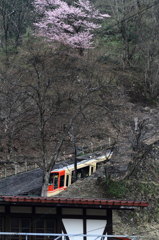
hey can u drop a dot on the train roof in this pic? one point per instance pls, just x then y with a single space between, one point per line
84 162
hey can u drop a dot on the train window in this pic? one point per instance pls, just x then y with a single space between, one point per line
78 174
81 173
85 172
98 165
54 180
73 178
62 181
67 178
91 172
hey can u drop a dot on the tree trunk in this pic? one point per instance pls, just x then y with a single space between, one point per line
45 184
75 162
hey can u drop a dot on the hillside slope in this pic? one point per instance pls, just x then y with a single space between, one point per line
131 174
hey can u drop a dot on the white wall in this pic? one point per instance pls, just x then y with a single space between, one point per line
95 227
75 226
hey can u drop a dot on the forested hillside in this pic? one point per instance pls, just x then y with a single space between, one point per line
82 77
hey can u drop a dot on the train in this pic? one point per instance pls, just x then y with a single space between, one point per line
62 178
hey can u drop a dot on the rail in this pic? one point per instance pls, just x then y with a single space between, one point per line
57 236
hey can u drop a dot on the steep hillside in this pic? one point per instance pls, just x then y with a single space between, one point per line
131 174
57 98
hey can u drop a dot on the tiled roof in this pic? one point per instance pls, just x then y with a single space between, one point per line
22 183
72 201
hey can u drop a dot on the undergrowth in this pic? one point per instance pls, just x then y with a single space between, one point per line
136 191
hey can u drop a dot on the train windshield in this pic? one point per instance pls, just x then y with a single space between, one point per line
54 180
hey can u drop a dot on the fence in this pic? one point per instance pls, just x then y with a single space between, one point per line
11 168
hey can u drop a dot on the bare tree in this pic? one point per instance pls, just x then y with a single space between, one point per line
13 114
140 150
54 102
15 17
127 25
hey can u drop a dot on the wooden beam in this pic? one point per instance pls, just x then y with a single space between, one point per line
109 229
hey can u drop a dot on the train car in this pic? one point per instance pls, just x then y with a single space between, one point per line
61 178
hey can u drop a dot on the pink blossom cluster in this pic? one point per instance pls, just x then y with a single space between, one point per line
71 25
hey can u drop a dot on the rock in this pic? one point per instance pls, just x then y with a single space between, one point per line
152 140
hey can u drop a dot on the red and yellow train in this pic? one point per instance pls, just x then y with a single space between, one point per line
61 178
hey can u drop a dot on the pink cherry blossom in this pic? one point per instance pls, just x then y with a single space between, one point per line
71 25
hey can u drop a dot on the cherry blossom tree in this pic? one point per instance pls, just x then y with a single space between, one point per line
71 25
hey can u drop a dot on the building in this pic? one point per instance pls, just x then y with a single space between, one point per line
60 215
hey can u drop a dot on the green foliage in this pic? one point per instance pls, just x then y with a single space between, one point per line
116 189
148 189
136 190
131 188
